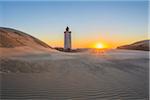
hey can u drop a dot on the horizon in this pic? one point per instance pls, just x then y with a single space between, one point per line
112 23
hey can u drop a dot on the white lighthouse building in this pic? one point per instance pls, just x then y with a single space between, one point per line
67 39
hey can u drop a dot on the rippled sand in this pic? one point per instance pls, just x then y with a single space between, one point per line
94 75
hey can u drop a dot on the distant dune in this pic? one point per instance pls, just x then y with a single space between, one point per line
13 38
140 45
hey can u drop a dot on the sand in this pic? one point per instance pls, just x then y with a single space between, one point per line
92 75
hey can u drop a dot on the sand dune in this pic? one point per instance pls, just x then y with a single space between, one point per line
140 45
109 75
10 38
30 69
24 50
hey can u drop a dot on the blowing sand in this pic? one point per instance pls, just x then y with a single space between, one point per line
91 75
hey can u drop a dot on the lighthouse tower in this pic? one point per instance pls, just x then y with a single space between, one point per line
67 39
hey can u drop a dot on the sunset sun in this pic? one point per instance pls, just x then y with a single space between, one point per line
99 46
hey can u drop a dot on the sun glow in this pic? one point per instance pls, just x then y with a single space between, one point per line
99 46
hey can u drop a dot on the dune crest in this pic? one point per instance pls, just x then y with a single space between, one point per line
10 38
140 45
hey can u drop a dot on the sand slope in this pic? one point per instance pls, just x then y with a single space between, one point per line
108 75
13 38
140 45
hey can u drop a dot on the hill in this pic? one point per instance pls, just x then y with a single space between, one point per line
140 45
10 38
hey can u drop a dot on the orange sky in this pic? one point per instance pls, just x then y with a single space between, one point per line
90 41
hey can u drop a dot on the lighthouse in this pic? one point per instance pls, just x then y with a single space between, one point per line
67 39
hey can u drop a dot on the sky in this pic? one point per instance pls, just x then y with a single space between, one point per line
112 23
